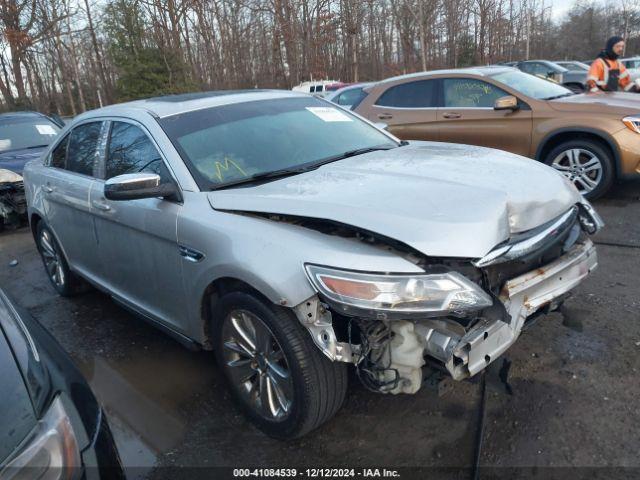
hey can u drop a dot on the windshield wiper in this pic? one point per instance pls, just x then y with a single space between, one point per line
570 94
353 153
285 172
22 148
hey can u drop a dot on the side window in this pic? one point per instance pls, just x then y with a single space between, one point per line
83 143
351 98
540 69
467 92
526 67
131 151
419 94
59 154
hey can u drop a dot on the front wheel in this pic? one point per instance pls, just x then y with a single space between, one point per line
586 163
62 278
278 377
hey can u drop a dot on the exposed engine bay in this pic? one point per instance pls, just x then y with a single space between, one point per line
13 205
528 276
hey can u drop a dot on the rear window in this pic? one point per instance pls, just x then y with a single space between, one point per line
419 94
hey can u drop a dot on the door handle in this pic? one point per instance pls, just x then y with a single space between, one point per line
101 206
47 189
385 116
452 115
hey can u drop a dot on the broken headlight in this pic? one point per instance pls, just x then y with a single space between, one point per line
7 176
396 293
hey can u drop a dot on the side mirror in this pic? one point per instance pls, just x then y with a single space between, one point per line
381 125
132 186
506 103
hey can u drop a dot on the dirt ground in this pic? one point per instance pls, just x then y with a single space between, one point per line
575 399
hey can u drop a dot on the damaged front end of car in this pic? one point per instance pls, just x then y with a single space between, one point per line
13 204
457 317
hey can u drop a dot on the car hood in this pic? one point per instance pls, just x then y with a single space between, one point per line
15 160
614 102
441 199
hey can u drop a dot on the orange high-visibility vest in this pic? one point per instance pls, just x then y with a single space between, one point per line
608 75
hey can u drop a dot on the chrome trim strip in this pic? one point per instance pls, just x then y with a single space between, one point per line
518 249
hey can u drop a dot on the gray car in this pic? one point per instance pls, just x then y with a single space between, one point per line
230 221
572 78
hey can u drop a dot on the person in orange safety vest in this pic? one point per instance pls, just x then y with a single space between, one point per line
607 73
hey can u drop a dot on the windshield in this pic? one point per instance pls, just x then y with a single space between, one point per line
574 66
531 86
223 145
18 133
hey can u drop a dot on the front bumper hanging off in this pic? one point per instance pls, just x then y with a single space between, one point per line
522 297
13 205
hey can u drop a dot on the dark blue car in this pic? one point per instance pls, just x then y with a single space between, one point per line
23 137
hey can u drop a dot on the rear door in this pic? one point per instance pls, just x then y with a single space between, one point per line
67 187
468 117
137 240
409 109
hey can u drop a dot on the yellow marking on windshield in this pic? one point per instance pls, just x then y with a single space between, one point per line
220 167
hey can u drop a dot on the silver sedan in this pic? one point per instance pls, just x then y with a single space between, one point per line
296 239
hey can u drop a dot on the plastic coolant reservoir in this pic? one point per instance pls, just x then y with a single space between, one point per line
407 357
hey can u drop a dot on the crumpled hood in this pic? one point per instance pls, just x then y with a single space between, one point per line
442 199
15 160
626 103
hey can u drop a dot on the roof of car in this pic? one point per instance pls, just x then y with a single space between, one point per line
169 105
480 71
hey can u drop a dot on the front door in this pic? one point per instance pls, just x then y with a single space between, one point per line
468 117
137 240
67 188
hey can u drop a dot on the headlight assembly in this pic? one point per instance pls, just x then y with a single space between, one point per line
439 293
51 452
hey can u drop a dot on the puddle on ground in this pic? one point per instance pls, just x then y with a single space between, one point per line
147 400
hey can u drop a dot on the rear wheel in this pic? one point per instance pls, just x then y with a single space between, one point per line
63 280
278 377
586 163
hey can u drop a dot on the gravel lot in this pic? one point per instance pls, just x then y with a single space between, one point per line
574 403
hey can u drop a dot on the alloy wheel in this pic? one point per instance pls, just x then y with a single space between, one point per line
52 259
256 365
582 167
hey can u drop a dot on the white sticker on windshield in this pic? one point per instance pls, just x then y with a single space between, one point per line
329 114
46 130
5 144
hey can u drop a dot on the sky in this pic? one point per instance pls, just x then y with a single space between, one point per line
560 7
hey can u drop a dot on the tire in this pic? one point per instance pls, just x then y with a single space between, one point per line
61 277
310 388
591 182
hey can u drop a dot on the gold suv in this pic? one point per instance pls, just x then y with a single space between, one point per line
591 138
